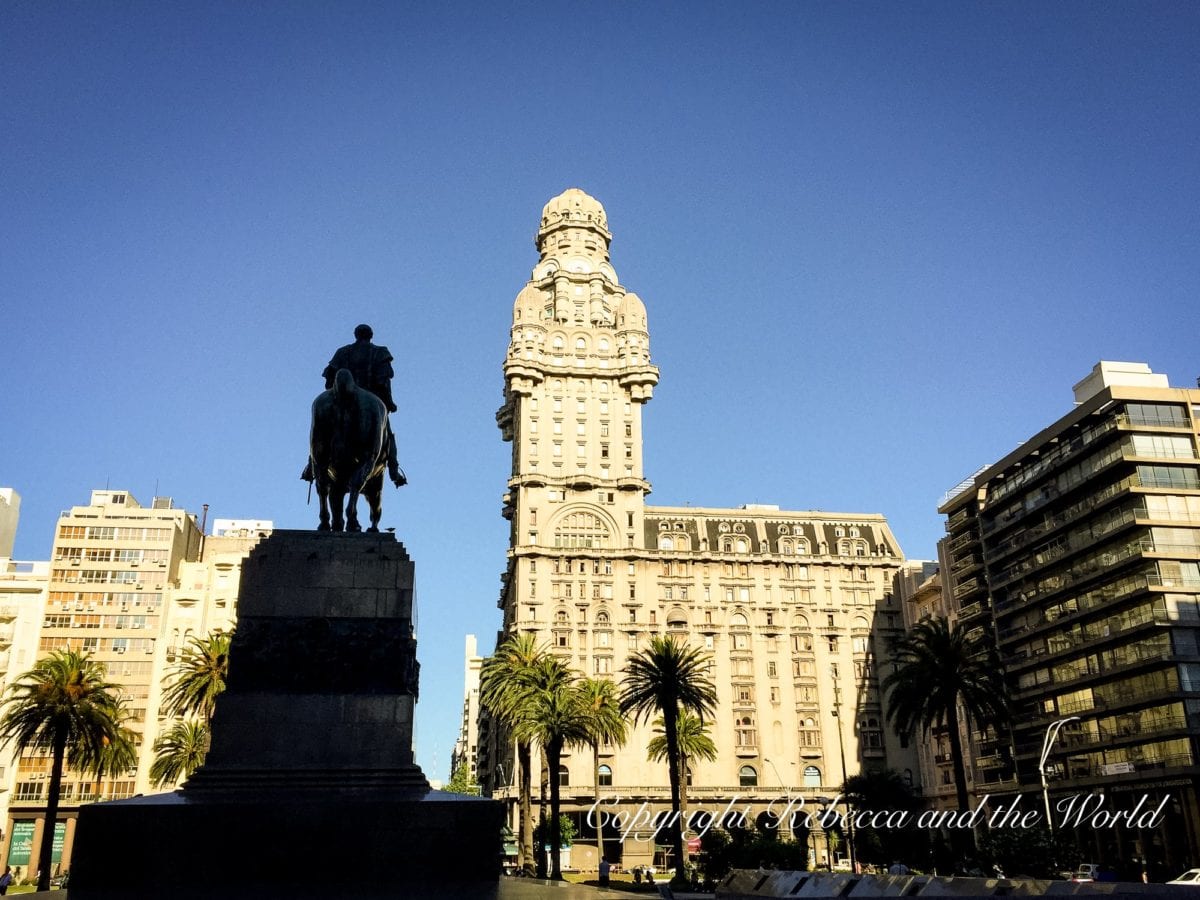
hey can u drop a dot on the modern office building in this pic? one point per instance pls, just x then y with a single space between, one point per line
112 562
22 602
1080 552
795 608
466 747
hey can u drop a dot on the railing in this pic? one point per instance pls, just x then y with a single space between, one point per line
1071 514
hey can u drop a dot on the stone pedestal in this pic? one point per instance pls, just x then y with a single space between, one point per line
311 776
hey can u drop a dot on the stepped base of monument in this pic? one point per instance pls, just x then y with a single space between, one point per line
298 844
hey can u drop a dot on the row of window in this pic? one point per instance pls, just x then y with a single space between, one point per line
111 533
57 620
112 554
109 576
97 645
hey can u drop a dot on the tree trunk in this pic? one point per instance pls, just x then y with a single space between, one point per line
541 853
683 786
46 853
958 840
670 725
525 794
553 756
599 814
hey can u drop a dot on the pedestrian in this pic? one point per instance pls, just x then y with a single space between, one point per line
604 869
6 879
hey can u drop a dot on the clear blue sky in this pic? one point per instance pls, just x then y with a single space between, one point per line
877 244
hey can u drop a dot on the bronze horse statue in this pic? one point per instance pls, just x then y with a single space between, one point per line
348 452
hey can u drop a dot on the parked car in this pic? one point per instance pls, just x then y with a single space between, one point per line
1086 872
1191 876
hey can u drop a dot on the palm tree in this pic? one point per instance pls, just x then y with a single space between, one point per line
939 670
605 725
502 683
876 791
64 705
554 715
179 752
667 678
199 677
694 743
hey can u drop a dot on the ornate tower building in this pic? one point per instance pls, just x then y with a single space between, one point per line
791 606
577 373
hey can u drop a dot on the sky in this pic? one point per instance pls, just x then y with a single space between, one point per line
877 243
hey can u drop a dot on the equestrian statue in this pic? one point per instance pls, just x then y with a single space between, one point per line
351 442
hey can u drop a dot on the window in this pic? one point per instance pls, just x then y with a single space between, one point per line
581 529
772 669
812 776
745 734
810 733
869 734
564 776
603 665
605 774
747 777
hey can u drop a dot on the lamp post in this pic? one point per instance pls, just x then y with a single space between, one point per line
787 791
1052 731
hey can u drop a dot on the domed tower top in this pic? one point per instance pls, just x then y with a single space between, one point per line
574 220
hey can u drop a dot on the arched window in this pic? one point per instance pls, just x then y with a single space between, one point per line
747 777
860 548
606 776
604 345
665 543
557 342
561 618
564 776
801 547
580 344
581 529
908 777
738 620
602 618
742 545
677 618
812 776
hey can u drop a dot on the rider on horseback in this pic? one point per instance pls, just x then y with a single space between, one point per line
371 366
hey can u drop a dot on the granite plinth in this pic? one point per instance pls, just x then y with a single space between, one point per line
311 773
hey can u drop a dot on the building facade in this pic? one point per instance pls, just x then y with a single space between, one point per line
111 564
22 603
1080 552
466 747
795 608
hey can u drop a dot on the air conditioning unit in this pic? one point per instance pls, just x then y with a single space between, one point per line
138 586
150 648
135 563
118 649
74 562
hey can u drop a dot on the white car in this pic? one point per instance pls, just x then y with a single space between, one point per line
1086 872
1191 876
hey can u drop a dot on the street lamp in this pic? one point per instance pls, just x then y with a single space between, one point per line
1052 731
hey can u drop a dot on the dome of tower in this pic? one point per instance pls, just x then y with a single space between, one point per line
529 304
573 208
631 313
